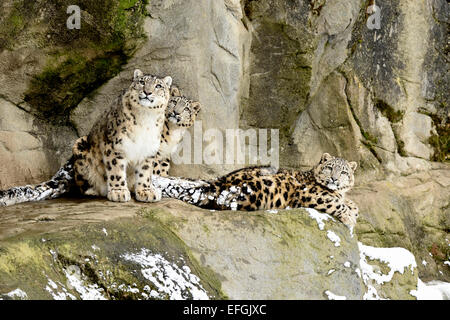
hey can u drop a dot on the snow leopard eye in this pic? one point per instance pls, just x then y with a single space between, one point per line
142 82
158 86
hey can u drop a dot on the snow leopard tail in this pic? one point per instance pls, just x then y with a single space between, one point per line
191 191
201 193
58 185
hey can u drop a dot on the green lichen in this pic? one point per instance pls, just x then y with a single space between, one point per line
29 264
440 141
80 60
62 86
389 112
13 20
441 146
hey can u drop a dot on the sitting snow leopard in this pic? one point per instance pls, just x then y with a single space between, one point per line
121 145
261 188
180 115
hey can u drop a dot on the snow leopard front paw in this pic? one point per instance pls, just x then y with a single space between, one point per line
119 195
350 216
151 194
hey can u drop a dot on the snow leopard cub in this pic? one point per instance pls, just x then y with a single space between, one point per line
180 115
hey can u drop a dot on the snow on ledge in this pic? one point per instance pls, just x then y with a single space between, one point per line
169 279
433 290
17 293
319 217
332 296
397 259
334 238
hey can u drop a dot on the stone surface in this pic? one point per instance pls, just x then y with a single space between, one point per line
26 155
328 119
410 212
238 255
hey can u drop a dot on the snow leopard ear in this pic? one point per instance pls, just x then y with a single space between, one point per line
353 165
137 74
168 80
196 106
326 157
175 92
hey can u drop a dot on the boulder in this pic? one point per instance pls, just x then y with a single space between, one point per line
96 249
411 212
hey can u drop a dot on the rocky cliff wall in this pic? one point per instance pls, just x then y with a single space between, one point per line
314 70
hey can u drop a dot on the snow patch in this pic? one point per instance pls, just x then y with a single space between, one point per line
433 290
18 293
332 296
62 294
319 217
170 280
397 260
75 280
334 238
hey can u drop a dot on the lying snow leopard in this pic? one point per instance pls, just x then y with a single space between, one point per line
121 144
180 115
262 188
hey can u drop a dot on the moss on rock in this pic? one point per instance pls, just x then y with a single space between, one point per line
79 60
90 262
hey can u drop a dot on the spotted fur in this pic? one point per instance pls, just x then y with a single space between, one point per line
120 148
180 115
58 185
262 188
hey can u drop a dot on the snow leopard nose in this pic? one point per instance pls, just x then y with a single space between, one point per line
334 180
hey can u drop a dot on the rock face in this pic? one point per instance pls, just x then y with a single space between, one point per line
320 72
95 249
316 71
410 212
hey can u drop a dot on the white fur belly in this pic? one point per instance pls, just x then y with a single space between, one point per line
144 141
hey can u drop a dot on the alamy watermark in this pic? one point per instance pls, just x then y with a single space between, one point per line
374 20
74 20
228 146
